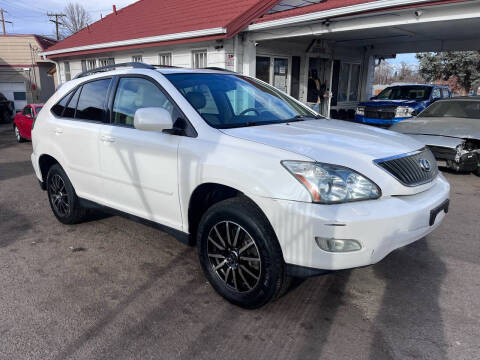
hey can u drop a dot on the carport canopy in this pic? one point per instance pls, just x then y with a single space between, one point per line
448 26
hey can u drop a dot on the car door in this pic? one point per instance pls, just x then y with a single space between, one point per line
140 167
27 123
21 120
77 133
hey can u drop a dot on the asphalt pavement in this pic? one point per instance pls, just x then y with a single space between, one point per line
130 291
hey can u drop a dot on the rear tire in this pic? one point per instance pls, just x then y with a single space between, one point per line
17 134
240 254
62 197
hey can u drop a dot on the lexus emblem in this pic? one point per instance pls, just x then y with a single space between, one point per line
425 165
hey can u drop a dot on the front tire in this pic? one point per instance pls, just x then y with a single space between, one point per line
240 254
18 136
62 197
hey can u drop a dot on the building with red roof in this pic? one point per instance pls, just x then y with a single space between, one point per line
279 41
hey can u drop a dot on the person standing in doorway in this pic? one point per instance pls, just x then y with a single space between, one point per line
317 92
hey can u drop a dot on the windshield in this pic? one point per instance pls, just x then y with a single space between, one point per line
460 109
405 93
229 100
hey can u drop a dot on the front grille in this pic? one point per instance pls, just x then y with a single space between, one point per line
408 169
384 113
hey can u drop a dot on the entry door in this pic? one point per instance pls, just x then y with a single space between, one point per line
140 167
280 74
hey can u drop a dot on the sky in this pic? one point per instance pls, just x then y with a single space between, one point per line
30 16
408 58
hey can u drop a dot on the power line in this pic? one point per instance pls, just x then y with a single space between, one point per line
2 19
56 21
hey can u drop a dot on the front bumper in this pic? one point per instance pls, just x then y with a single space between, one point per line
383 122
380 226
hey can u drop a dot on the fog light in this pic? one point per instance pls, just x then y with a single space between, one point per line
338 245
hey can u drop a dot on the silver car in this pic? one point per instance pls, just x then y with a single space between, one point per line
451 129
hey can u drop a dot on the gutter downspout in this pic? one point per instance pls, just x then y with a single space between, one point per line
57 66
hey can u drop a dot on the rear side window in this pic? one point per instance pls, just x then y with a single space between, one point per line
58 108
72 104
91 103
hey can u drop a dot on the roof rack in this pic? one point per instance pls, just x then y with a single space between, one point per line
217 68
135 65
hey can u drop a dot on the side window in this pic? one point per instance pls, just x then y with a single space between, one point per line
136 93
72 105
445 93
27 110
58 108
436 93
91 103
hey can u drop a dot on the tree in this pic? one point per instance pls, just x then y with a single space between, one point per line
76 18
464 66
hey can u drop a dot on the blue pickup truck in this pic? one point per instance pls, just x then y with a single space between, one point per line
399 102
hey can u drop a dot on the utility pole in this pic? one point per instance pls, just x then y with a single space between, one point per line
2 18
56 21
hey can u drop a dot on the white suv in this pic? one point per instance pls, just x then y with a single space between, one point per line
266 188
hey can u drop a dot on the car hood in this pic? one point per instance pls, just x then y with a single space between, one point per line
331 141
444 126
379 103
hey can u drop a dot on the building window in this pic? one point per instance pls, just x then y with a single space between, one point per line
66 66
19 96
165 59
137 58
106 61
91 64
199 59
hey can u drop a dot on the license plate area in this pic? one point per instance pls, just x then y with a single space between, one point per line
434 212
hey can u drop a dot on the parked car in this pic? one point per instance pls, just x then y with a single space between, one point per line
23 121
265 188
451 129
397 103
7 109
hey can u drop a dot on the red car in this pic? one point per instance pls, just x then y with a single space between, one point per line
22 124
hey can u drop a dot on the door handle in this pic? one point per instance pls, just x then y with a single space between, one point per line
58 131
106 138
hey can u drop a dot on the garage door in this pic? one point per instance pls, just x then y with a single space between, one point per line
16 92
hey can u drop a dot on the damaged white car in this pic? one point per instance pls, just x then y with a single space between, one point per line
451 129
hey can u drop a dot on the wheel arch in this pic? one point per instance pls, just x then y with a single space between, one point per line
205 196
45 162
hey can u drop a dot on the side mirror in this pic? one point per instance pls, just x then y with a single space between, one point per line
152 119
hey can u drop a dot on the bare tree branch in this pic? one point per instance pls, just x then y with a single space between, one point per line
76 18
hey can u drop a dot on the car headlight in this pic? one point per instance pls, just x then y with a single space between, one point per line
332 184
360 111
405 111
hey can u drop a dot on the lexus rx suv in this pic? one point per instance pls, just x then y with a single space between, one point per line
265 188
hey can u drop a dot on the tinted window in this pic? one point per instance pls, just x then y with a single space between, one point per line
91 104
405 93
445 93
58 108
133 94
72 104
